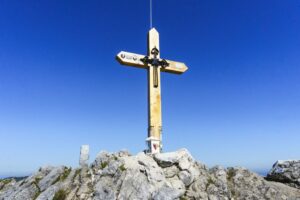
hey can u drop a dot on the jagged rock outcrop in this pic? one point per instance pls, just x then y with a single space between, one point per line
286 171
166 176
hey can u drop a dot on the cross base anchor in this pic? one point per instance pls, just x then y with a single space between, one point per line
154 145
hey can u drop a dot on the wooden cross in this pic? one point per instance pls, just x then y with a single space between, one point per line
154 65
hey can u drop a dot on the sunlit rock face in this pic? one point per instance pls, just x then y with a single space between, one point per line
287 172
165 176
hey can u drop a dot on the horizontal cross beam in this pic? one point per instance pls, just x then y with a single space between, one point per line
135 60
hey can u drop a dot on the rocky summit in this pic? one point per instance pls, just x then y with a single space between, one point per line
165 176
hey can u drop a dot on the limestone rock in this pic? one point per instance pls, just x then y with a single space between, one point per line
165 176
170 171
248 185
186 177
181 157
287 172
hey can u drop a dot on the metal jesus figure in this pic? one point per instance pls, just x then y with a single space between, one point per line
154 65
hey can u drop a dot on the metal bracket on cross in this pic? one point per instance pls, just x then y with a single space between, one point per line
155 62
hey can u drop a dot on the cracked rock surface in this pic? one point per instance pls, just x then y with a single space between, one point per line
286 171
165 176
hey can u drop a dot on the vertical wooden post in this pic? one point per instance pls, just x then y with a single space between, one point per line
154 97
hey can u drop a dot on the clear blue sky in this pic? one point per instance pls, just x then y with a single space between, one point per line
60 86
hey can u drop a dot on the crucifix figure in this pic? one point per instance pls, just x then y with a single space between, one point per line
154 65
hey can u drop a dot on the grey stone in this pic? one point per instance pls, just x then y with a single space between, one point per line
287 172
102 159
26 193
167 192
153 171
50 178
104 190
186 177
181 157
178 185
135 186
49 193
170 171
247 185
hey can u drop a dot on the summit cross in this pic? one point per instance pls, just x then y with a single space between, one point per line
154 65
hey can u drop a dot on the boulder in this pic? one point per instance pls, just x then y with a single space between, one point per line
287 172
181 157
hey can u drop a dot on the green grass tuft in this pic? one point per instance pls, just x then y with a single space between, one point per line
66 173
36 195
36 183
230 174
122 168
37 180
210 181
103 165
5 181
60 195
77 172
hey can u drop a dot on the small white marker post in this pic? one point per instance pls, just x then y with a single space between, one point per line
84 155
154 65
